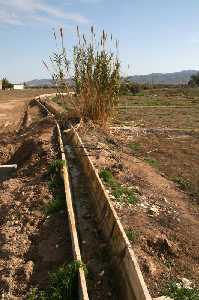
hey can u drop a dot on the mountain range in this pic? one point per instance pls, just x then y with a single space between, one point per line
175 78
182 77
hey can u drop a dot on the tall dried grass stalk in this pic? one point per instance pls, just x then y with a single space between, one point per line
96 75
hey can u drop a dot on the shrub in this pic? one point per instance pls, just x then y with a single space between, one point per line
121 194
96 76
62 284
177 292
129 88
6 84
194 81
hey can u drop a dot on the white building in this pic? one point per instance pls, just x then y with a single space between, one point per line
18 86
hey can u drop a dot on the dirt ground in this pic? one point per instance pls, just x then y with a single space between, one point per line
31 244
173 154
164 221
172 108
13 105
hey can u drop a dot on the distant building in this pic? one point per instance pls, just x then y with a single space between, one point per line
1 85
18 86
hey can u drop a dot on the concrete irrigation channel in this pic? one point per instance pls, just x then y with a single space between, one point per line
98 237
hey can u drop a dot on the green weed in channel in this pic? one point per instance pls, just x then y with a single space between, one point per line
56 166
63 284
121 194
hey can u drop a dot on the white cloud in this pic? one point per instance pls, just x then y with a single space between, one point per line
10 19
17 12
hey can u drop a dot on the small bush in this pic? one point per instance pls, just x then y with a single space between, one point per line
63 284
182 183
132 234
177 292
56 186
121 194
55 205
56 166
152 162
135 147
129 88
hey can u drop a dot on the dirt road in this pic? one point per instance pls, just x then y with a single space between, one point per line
13 105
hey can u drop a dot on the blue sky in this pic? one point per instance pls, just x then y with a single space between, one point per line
154 35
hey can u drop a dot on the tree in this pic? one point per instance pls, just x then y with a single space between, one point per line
6 84
194 81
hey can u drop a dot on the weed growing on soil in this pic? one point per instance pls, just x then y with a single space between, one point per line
56 166
132 234
121 194
169 263
62 284
135 147
54 183
177 292
152 162
55 205
56 187
182 183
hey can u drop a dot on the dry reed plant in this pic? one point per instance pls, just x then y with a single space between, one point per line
96 76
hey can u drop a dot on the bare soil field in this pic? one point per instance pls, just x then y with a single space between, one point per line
13 105
155 109
160 220
31 244
148 159
35 237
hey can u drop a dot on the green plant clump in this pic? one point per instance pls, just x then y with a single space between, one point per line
132 234
152 162
182 183
56 166
135 147
120 193
56 187
177 292
62 284
55 205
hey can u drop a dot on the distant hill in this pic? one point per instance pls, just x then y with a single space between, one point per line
182 77
44 82
40 82
157 78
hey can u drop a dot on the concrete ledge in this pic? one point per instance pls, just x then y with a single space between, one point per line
83 294
7 170
131 283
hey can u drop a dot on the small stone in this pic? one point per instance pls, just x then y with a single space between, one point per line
154 210
143 205
101 273
28 269
149 266
187 284
165 199
83 242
